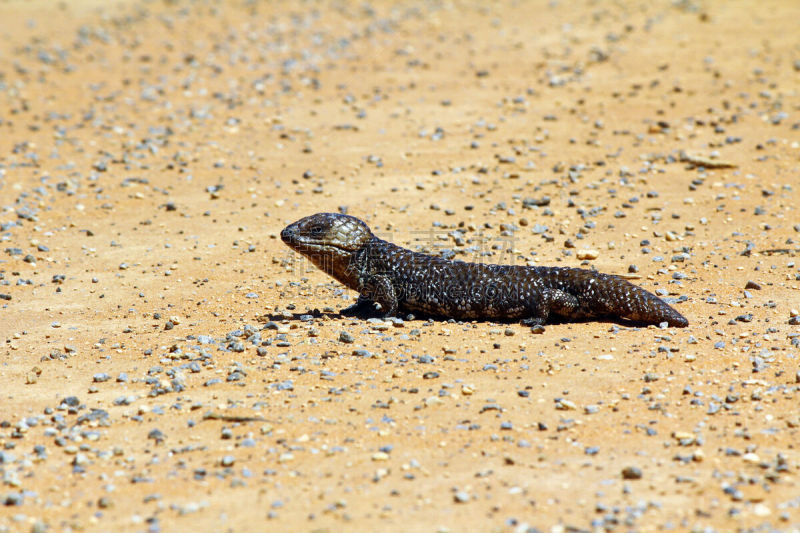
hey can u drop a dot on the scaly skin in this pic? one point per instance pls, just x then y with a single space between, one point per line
399 279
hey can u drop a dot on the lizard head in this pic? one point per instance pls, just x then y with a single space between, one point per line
329 240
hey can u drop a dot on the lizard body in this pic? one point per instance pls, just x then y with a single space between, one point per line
396 278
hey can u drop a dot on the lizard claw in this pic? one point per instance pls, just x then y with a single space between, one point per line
362 307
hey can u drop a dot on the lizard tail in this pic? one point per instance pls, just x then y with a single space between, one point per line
608 295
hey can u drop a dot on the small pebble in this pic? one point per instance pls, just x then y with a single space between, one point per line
587 254
631 472
461 497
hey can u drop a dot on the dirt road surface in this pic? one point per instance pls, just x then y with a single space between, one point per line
167 364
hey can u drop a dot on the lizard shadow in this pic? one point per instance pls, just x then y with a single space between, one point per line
623 322
364 314
297 317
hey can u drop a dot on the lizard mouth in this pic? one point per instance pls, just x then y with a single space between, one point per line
307 246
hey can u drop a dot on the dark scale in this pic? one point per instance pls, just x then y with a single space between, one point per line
399 279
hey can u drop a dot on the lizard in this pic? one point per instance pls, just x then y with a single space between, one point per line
397 279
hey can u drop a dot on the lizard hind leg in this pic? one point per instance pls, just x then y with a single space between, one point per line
552 302
562 304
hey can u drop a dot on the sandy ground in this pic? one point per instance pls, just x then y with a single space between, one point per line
168 364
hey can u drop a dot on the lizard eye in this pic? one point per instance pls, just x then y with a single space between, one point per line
317 231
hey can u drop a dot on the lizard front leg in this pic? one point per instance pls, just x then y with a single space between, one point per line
379 289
